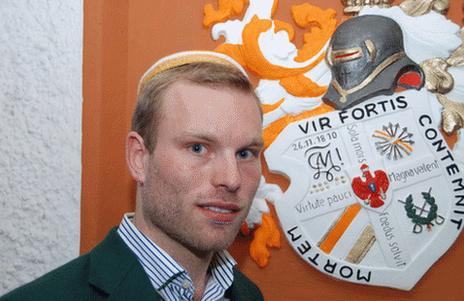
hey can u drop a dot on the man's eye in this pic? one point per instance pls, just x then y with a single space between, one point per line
198 148
245 154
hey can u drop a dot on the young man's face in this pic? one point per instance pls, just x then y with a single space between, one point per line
205 168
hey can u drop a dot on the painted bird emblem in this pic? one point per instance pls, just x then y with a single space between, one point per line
370 188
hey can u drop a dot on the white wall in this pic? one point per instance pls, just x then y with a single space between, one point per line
40 136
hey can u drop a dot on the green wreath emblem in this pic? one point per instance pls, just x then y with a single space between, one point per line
418 219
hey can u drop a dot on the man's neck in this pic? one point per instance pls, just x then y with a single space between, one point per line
195 263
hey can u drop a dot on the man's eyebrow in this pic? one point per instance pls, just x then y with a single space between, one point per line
195 135
256 143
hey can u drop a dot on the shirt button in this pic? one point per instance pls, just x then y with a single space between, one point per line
186 284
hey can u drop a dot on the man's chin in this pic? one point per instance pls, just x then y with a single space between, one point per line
215 244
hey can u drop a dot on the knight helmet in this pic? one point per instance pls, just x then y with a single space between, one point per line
367 58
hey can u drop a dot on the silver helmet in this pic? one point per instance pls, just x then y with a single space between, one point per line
366 57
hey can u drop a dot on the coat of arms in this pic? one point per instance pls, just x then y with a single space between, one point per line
353 120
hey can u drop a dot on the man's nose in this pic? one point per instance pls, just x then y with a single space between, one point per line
227 173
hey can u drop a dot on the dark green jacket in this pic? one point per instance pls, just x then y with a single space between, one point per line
109 272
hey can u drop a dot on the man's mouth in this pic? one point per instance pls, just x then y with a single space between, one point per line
217 209
221 214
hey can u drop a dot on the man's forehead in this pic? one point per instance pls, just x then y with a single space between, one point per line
196 111
177 90
184 89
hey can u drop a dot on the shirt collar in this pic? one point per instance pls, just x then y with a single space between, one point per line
162 269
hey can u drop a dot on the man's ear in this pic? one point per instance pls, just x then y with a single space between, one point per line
135 156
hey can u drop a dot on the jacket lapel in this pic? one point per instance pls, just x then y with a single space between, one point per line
116 274
243 289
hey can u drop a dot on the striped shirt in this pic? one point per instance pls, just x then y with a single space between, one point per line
170 279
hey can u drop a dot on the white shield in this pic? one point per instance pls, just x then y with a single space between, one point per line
386 224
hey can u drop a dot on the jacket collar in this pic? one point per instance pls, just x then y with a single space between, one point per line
116 272
242 289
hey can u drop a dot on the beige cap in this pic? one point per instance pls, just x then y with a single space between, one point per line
187 57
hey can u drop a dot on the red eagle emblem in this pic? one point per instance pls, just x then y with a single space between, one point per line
370 188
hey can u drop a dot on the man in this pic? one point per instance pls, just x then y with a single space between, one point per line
194 153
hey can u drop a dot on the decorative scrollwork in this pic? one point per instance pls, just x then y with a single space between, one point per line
440 81
421 7
452 114
354 6
457 57
437 77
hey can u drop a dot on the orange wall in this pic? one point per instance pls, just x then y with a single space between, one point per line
121 39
